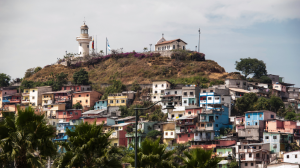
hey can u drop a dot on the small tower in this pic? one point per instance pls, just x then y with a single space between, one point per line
84 40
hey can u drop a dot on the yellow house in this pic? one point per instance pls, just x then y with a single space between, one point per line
117 99
33 96
47 98
168 132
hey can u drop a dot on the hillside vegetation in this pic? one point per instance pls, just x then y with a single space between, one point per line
143 71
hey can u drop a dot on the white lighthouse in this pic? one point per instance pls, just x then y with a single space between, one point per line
84 40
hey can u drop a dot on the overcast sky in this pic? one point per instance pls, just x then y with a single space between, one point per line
36 33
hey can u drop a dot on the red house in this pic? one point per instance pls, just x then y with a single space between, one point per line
184 128
118 137
77 88
69 114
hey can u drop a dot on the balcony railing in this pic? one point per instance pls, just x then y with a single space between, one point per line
15 100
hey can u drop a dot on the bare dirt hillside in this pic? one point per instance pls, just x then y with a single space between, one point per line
143 71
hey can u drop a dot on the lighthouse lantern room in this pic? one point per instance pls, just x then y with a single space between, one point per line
84 40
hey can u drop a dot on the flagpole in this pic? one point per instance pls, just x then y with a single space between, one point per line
106 45
96 44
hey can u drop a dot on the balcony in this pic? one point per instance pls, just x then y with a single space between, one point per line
114 135
185 123
25 101
25 94
202 101
15 100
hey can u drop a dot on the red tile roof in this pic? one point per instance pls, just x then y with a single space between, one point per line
170 41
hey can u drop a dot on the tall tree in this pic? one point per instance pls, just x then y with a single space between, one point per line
81 77
200 158
251 66
4 80
37 69
262 104
116 87
246 103
276 103
29 72
88 146
151 154
26 139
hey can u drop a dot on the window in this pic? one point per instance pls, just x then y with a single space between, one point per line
260 115
222 99
53 123
111 101
154 97
33 97
248 123
209 98
240 147
33 90
246 164
64 113
251 164
180 115
204 91
166 133
217 98
44 96
117 101
162 85
122 101
162 92
115 144
217 125
171 133
156 86
189 135
184 101
179 136
87 46
77 88
189 112
259 147
79 95
272 116
175 92
255 123
217 117
87 95
211 90
274 145
296 156
287 156
192 93
274 137
80 101
250 155
76 113
173 46
86 101
248 115
155 91
266 137
172 116
185 93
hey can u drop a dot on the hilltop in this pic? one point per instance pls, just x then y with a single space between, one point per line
143 71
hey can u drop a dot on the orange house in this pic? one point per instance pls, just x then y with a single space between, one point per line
281 126
87 99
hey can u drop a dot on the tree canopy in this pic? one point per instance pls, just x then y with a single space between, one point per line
88 146
200 158
37 69
246 103
116 87
77 106
81 77
4 80
251 66
26 139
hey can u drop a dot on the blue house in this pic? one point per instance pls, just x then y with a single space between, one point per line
211 122
206 100
100 105
61 128
6 98
254 118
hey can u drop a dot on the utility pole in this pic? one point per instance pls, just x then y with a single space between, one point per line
195 48
150 47
106 45
199 40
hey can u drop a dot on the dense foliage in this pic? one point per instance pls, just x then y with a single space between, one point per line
37 69
25 140
116 87
251 66
135 86
81 77
200 158
4 80
56 82
153 134
186 55
151 154
77 106
88 146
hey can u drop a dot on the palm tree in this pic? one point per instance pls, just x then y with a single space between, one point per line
25 139
151 154
200 158
88 146
145 49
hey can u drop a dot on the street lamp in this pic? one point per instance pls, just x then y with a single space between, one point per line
169 107
150 47
195 48
199 40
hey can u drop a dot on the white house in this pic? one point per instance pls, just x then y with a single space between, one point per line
158 89
292 157
163 44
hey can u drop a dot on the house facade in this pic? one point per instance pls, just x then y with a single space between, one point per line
176 44
158 90
86 98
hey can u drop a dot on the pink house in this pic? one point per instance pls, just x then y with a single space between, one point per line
212 144
184 128
69 114
192 111
95 115
281 126
77 88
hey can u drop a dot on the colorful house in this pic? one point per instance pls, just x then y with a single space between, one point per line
6 95
190 95
184 128
77 88
158 89
33 96
118 138
69 115
100 105
143 128
279 142
86 98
